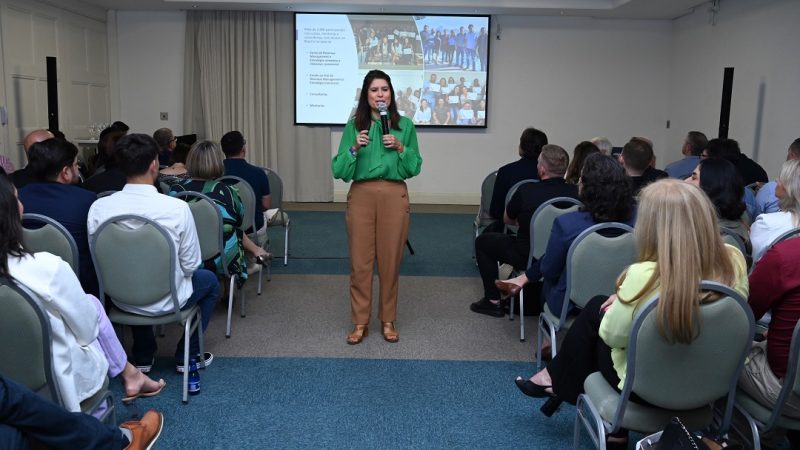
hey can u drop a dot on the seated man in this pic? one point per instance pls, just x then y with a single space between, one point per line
530 145
774 286
693 145
233 145
636 158
137 158
22 176
491 248
26 418
53 164
766 201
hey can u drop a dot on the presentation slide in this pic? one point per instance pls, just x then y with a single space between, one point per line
439 66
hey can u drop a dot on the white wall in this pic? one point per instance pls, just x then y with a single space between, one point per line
150 57
758 39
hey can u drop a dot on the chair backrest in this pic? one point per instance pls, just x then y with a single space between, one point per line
105 194
542 223
136 261
275 188
52 238
487 188
511 193
688 376
248 197
787 235
791 381
594 261
25 341
731 237
208 222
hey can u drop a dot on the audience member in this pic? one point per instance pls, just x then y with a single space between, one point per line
770 226
54 165
493 248
177 171
22 176
603 144
693 145
137 157
27 419
84 346
729 149
235 149
582 150
530 145
766 201
636 157
675 221
106 175
120 126
166 144
205 164
607 196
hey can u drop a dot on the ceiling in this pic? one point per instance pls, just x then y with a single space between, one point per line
612 9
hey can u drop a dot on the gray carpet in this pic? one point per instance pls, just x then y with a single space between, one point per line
309 316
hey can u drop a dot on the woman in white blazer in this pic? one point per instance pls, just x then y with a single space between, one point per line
84 345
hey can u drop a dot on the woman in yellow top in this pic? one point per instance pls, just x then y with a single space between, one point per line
677 236
377 204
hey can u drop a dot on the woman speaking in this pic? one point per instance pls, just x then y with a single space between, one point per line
377 153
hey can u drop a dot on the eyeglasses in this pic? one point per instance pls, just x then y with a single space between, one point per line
173 139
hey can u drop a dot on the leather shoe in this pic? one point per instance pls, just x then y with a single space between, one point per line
146 431
358 334
507 289
484 306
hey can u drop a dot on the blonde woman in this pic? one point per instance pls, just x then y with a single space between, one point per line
677 236
769 226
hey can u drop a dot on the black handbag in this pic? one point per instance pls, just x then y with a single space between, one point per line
676 437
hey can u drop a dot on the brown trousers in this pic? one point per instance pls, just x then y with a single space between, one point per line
377 227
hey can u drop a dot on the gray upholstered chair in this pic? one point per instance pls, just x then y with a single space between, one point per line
594 261
52 238
540 227
281 218
483 219
681 380
25 339
136 262
763 419
511 192
249 200
209 225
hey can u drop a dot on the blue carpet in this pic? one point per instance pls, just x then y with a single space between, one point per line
318 245
354 403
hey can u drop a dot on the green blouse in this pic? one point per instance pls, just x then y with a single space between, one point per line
374 161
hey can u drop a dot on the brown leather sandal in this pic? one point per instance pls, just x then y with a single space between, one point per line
389 332
358 334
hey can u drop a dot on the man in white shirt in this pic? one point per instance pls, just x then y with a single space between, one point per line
137 158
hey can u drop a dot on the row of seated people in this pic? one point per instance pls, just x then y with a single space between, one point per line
607 192
78 319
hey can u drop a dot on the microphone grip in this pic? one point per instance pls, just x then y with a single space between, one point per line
385 123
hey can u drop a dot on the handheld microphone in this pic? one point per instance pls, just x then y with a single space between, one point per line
384 112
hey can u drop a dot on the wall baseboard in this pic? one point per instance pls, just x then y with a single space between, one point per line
433 198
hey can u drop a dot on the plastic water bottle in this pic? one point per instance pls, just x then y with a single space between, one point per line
194 378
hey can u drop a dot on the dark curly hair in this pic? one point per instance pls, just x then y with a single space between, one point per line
605 190
10 225
724 186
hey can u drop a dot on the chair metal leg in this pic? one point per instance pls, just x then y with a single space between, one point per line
539 337
260 271
286 243
553 343
187 335
591 420
242 295
200 332
231 288
521 316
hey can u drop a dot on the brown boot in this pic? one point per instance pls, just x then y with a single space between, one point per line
146 431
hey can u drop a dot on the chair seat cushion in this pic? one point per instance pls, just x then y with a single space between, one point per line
762 413
125 318
644 419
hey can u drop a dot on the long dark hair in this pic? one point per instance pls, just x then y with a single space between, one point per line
606 191
363 117
10 225
724 186
582 150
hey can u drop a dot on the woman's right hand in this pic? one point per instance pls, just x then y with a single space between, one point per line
362 139
607 304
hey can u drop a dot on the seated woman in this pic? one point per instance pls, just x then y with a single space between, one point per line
177 171
768 227
607 196
678 241
720 180
582 150
84 345
205 163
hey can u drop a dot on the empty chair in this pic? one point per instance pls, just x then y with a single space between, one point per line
676 379
281 217
483 219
